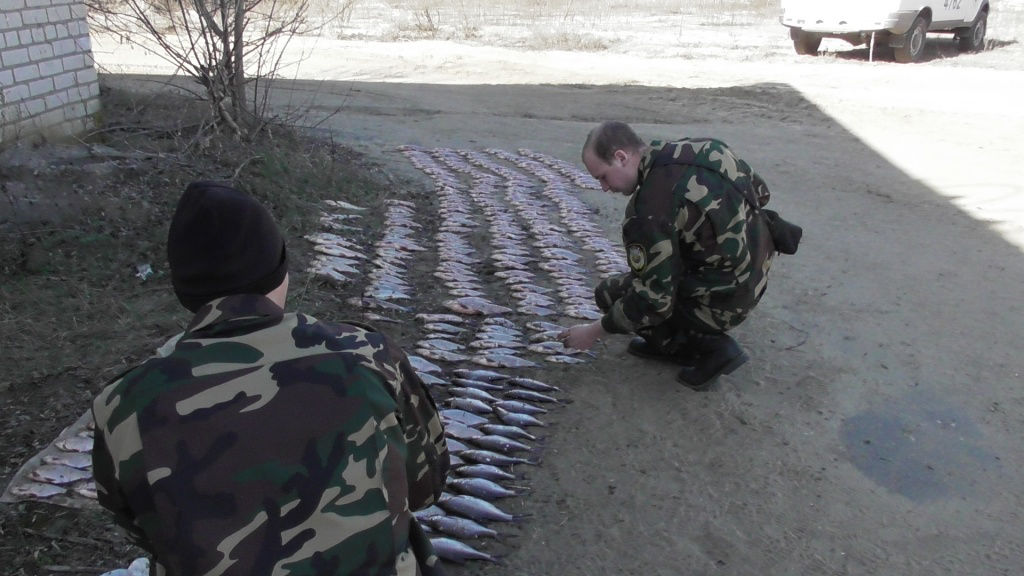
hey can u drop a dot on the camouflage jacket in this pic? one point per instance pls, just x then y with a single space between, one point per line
692 238
268 443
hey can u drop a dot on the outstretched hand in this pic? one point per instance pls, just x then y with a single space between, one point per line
581 336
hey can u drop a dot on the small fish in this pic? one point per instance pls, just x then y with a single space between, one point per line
431 380
540 326
489 344
481 488
481 375
80 460
517 419
546 336
474 393
583 313
503 361
534 310
429 512
455 551
520 406
441 355
550 347
478 384
493 458
422 365
36 490
488 471
343 205
334 250
470 405
530 396
75 444
496 443
443 327
475 306
58 474
440 344
330 274
475 508
531 384
507 431
459 430
86 489
499 321
565 359
459 527
447 318
461 416
455 446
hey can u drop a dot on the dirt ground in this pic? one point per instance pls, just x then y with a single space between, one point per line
877 428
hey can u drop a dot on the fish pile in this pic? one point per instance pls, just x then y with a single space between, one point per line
61 473
338 258
489 420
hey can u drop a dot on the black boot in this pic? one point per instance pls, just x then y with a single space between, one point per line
640 347
719 354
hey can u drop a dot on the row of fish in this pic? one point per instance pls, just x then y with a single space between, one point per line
62 472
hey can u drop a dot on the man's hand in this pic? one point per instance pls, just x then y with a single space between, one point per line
582 336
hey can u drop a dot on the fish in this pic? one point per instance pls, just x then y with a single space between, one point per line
478 384
475 306
375 303
494 458
343 205
475 509
565 359
58 474
470 405
474 393
36 490
489 344
422 365
502 361
86 489
464 417
499 321
460 431
536 310
442 355
482 375
428 512
507 431
496 443
520 407
459 527
531 384
443 327
550 347
583 313
440 344
516 418
541 326
330 274
488 471
455 446
530 396
74 444
546 336
481 488
455 551
334 250
80 460
448 318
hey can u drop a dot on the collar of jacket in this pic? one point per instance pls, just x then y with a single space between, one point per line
235 307
646 161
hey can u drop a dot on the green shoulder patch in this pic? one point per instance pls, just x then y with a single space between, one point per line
636 256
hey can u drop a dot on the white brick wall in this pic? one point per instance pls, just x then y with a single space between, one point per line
48 85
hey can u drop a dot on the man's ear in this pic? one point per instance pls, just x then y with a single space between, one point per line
621 156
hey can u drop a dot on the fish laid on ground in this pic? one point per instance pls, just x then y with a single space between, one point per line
541 326
464 417
431 380
470 405
80 460
491 344
449 318
58 474
343 205
475 306
478 384
475 508
75 444
517 419
36 490
496 443
583 313
460 431
455 551
503 361
443 327
86 489
485 375
440 344
531 384
488 471
493 458
429 512
333 250
435 354
459 527
507 431
565 359
481 488
520 406
550 347
531 396
474 393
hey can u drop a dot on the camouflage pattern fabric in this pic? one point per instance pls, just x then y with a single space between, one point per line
698 252
268 443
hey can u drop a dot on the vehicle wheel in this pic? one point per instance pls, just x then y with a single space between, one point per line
913 42
805 42
973 39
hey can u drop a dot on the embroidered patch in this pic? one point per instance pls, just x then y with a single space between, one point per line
636 256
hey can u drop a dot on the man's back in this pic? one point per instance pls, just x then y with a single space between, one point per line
270 443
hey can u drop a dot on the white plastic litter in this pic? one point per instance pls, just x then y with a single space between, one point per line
138 567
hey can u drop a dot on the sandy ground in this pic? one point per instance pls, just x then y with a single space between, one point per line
877 428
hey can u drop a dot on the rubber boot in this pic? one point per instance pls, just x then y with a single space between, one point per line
640 347
719 354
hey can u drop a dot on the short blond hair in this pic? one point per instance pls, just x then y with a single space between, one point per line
610 136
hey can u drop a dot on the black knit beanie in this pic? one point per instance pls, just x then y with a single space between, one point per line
223 242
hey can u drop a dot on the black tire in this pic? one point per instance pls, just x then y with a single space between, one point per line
972 39
805 43
913 42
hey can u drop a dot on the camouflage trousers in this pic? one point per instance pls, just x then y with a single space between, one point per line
690 318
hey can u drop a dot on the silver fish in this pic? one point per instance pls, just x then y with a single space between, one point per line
493 458
458 430
517 419
464 417
443 327
481 488
541 326
86 489
531 384
489 344
507 431
520 407
470 405
440 344
496 443
449 318
503 361
459 527
474 393
484 375
478 384
475 508
565 359
473 305
58 474
36 490
536 310
75 444
80 460
442 355
428 512
455 551
488 471
530 396
422 365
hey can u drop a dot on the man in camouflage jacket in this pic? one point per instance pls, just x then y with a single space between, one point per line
697 245
266 442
